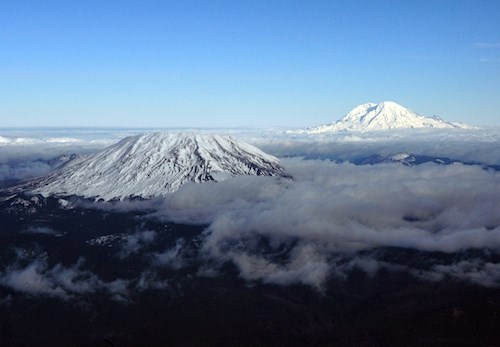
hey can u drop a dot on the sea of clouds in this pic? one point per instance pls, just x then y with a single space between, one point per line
332 211
331 218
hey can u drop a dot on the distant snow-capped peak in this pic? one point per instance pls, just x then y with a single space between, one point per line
156 164
383 116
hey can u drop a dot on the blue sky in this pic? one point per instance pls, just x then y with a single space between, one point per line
244 63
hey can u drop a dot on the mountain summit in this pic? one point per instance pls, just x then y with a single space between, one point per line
156 164
383 116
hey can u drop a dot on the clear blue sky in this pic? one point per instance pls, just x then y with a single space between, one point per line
244 63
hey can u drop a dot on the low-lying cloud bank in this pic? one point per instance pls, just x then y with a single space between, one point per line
284 231
24 154
325 222
328 221
22 158
464 145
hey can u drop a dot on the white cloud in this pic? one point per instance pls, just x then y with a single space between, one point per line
149 280
467 145
12 171
175 257
133 243
22 158
38 279
475 270
333 209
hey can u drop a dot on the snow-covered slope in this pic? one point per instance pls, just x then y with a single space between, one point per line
383 116
156 164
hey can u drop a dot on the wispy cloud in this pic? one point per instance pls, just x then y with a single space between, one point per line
135 242
66 283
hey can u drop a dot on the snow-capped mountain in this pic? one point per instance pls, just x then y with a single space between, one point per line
383 116
155 164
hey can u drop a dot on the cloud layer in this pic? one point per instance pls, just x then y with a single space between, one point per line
25 157
338 209
328 220
465 145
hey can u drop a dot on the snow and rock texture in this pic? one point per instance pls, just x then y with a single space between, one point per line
156 164
384 116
